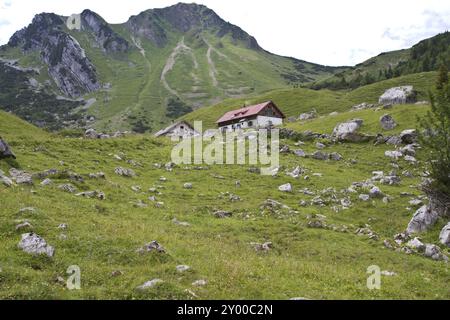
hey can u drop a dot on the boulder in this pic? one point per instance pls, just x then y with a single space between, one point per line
347 131
424 217
362 106
21 177
285 188
444 236
319 155
398 95
387 122
336 156
300 153
187 186
152 246
222 214
308 116
33 244
408 136
375 192
5 150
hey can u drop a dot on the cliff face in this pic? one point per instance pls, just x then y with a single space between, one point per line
72 71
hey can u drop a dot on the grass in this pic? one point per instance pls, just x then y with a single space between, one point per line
103 236
293 102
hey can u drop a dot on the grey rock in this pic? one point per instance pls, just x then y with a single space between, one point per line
308 116
182 268
152 246
6 181
364 197
444 236
20 177
398 95
23 226
67 188
222 214
423 218
320 145
408 136
33 244
46 182
5 150
348 131
199 283
124 172
393 154
416 244
336 156
150 284
387 122
187 186
375 192
300 153
285 187
319 155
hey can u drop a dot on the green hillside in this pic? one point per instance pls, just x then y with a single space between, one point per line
293 102
141 74
102 236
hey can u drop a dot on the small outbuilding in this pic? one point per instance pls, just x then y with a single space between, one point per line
180 129
257 116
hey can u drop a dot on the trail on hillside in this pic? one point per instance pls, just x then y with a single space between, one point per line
179 49
212 67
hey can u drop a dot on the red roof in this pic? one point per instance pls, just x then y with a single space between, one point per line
245 112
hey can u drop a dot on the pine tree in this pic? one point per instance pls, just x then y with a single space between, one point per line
436 135
442 79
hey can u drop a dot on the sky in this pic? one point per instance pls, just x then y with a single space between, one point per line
329 32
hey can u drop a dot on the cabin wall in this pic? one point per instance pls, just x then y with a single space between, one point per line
182 130
264 121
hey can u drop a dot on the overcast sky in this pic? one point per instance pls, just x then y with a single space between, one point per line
330 32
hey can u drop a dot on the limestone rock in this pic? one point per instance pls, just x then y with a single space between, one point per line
33 244
398 95
387 122
444 236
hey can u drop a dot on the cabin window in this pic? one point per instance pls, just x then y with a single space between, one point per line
250 123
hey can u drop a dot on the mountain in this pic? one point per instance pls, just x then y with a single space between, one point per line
162 63
427 55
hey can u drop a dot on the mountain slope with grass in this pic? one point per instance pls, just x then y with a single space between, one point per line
323 236
141 74
425 56
294 102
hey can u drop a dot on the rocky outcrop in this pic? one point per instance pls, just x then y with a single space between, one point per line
5 150
183 18
105 37
398 95
72 71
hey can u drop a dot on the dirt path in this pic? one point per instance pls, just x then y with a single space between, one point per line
212 67
179 49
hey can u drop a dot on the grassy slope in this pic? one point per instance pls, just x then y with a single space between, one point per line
293 102
103 235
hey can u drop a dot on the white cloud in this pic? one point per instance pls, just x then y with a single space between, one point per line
343 32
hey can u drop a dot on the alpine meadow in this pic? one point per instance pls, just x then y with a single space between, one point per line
93 205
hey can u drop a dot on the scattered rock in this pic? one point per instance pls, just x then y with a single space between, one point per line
422 219
187 186
410 159
416 244
152 246
116 273
320 145
364 197
181 223
444 236
266 246
5 150
182 268
27 210
347 131
222 214
24 226
20 177
408 136
150 284
398 95
308 116
300 153
33 244
285 187
336 156
67 188
387 122
124 172
92 194
393 154
46 182
319 155
200 283
375 192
